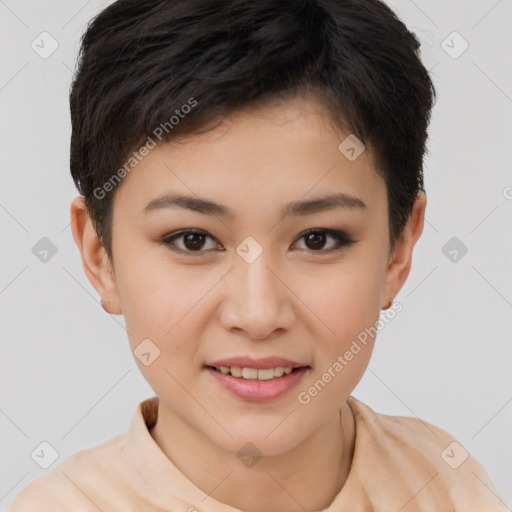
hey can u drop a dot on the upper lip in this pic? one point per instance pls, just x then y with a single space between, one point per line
263 363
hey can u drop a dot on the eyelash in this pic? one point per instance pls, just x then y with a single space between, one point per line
342 239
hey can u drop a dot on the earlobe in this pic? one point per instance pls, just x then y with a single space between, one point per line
400 262
95 259
390 301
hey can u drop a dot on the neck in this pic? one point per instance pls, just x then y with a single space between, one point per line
307 477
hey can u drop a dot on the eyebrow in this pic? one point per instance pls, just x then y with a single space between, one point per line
319 204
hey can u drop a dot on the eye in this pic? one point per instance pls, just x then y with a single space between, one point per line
316 238
193 241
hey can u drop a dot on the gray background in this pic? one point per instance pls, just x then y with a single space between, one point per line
66 373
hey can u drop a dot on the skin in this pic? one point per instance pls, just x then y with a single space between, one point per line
296 300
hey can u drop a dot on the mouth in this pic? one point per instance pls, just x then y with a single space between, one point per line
252 383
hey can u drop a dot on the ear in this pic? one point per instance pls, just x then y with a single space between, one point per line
400 260
95 260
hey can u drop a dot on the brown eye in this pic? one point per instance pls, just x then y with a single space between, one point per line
192 241
315 240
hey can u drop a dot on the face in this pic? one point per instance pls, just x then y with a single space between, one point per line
249 278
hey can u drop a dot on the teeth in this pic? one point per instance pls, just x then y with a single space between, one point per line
267 374
236 371
250 373
255 373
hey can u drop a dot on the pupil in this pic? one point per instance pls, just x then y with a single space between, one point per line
191 241
316 237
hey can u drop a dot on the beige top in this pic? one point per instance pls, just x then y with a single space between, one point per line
400 464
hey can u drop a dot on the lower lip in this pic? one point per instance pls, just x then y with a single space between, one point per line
258 390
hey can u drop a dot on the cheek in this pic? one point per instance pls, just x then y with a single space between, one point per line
348 306
344 298
167 306
161 310
153 299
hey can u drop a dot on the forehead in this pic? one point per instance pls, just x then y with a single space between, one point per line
260 157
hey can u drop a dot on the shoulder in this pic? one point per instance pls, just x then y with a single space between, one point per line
74 483
416 450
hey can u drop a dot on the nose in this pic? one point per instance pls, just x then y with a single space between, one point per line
258 303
